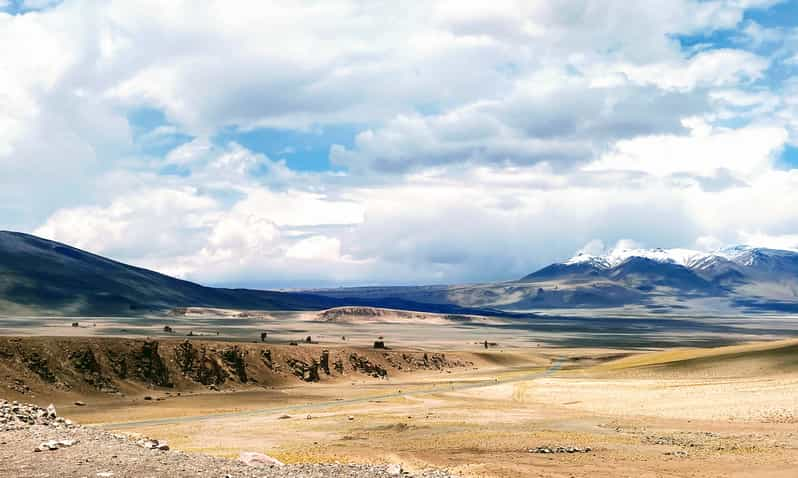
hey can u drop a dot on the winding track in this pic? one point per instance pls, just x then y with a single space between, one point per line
553 368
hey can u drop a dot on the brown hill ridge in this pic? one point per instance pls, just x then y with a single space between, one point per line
119 366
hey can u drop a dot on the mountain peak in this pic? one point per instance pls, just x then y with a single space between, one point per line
615 257
743 258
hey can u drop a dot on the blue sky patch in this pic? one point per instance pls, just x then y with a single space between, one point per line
152 133
789 157
302 150
781 15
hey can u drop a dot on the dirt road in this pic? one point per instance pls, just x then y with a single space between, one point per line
461 385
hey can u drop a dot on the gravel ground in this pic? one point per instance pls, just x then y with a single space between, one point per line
90 453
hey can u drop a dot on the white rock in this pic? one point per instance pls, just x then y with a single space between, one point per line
394 470
251 458
153 444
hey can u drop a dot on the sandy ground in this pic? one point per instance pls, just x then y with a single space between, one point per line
651 409
597 328
638 420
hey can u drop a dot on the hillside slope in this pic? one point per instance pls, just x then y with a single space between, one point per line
760 359
38 276
42 277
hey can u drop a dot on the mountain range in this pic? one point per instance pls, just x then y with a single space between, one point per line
39 276
729 280
43 277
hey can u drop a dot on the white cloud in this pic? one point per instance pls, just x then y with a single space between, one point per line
474 224
710 68
298 208
749 150
162 218
780 241
593 248
197 150
552 116
492 137
316 248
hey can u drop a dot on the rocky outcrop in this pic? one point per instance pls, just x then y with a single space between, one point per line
150 367
324 361
309 372
196 364
266 358
37 364
236 359
339 365
33 365
185 357
85 363
118 363
16 416
362 364
560 449
426 361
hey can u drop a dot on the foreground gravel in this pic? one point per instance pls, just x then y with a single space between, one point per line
93 453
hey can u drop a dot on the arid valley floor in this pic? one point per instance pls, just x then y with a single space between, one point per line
428 401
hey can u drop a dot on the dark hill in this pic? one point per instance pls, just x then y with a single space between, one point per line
560 271
39 277
643 271
42 276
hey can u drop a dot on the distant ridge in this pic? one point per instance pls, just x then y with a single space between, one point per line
733 280
43 277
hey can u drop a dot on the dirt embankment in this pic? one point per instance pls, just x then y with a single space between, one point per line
376 314
117 366
754 360
368 315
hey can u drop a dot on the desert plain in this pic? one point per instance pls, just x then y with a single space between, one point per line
491 397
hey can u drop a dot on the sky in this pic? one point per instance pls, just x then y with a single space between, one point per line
328 143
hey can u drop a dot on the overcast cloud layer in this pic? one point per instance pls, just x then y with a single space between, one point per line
289 144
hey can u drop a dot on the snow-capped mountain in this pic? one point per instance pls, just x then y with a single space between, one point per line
740 276
682 257
728 281
742 256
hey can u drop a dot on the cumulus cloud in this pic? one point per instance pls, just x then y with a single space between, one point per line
162 218
781 241
487 138
749 150
710 68
436 228
552 116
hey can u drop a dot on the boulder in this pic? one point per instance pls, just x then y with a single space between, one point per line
251 458
51 445
150 444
